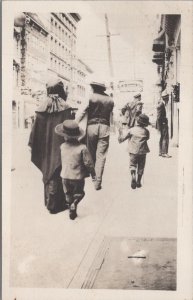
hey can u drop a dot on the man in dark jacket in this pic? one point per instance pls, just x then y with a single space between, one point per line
133 110
99 112
45 144
162 126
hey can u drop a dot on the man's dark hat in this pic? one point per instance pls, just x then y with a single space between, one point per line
69 129
98 85
137 95
143 120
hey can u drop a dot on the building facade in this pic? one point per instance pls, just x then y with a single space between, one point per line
30 65
82 88
45 48
167 49
62 58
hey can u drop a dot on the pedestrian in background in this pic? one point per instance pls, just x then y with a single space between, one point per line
137 147
45 144
162 125
76 164
132 110
99 111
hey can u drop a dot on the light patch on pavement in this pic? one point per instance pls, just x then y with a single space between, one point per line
124 246
138 257
25 265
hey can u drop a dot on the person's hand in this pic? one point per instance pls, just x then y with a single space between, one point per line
120 130
94 179
119 139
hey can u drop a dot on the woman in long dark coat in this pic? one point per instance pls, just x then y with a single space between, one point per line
45 144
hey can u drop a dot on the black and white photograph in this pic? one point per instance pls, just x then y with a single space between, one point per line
99 120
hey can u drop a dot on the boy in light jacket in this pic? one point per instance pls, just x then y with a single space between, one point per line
76 164
138 148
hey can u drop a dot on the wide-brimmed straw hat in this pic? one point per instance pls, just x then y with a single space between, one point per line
143 120
69 129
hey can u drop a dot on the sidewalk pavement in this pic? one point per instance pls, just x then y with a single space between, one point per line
53 251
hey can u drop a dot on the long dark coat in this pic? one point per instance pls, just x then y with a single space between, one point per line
45 147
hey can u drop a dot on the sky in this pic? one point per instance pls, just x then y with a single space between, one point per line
131 47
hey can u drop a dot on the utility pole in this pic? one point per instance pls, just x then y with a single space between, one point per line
108 35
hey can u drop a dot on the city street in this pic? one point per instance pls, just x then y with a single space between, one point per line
56 252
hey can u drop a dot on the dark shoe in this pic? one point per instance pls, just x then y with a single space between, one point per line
166 155
97 185
160 154
133 183
133 180
53 211
66 206
72 212
138 184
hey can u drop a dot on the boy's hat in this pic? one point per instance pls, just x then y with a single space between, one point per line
69 128
143 120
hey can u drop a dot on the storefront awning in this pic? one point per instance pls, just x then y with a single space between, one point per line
159 42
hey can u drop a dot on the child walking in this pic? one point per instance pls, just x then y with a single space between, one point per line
138 148
76 164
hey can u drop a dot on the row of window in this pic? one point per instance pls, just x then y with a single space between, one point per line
36 43
59 66
81 74
60 50
80 90
62 33
65 21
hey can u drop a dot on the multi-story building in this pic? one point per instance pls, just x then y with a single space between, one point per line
45 47
31 46
16 74
81 88
166 49
63 47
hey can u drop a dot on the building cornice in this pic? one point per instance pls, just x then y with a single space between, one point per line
86 66
40 25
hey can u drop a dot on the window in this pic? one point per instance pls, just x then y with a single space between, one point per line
56 47
59 32
52 24
52 44
51 62
66 38
56 28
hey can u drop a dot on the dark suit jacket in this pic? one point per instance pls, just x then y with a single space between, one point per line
161 115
